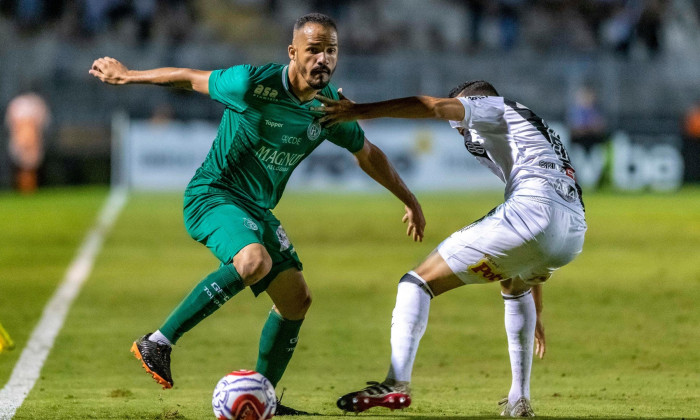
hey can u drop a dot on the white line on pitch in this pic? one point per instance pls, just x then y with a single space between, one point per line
32 359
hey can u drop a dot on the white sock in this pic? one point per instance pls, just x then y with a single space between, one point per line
158 337
520 319
408 323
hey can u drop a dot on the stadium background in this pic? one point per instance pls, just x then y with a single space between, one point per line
621 319
641 59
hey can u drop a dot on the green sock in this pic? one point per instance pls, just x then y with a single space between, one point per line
277 343
203 300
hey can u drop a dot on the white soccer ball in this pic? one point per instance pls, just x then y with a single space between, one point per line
244 395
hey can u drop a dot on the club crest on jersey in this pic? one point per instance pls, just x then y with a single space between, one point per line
250 224
314 130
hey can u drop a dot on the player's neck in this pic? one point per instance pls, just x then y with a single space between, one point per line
299 88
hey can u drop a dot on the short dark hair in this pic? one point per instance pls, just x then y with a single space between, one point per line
474 87
319 18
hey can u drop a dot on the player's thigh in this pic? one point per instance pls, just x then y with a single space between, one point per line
282 253
558 241
437 274
222 226
290 294
488 250
563 239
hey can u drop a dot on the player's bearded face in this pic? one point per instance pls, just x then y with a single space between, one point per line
316 54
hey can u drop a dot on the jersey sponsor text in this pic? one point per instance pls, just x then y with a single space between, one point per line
278 160
273 124
486 269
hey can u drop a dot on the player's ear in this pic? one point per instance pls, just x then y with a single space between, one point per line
292 52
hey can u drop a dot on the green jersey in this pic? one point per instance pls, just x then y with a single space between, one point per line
264 134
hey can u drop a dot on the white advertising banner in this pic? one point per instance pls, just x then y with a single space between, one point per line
429 156
164 156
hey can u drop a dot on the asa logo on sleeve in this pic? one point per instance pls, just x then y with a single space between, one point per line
265 92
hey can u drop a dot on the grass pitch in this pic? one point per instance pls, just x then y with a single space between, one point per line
621 320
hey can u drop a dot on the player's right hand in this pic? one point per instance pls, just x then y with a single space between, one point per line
416 222
109 70
334 111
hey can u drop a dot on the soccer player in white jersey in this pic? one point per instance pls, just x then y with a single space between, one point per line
539 228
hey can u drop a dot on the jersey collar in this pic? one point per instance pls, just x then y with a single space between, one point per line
285 84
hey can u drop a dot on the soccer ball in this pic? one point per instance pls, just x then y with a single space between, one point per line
244 395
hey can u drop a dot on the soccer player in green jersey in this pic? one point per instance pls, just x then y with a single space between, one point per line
266 130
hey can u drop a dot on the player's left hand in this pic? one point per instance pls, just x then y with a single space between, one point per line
416 222
335 111
540 346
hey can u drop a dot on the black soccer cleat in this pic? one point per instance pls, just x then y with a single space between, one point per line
155 358
376 395
283 410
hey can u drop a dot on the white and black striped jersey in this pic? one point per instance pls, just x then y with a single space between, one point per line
519 147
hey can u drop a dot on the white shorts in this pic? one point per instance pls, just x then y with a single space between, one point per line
525 237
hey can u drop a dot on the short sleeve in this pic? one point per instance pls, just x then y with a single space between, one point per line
486 110
348 135
229 86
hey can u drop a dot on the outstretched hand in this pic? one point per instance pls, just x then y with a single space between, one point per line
109 70
416 223
335 112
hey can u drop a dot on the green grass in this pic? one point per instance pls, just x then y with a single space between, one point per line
622 320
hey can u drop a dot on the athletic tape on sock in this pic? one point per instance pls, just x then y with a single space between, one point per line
513 297
412 277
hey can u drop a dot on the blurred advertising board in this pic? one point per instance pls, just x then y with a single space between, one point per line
429 156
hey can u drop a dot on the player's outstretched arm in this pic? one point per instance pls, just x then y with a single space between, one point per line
375 164
110 70
412 107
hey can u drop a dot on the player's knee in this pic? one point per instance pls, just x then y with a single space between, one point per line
253 266
297 307
255 270
304 303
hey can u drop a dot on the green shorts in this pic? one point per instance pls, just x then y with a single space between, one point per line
219 221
